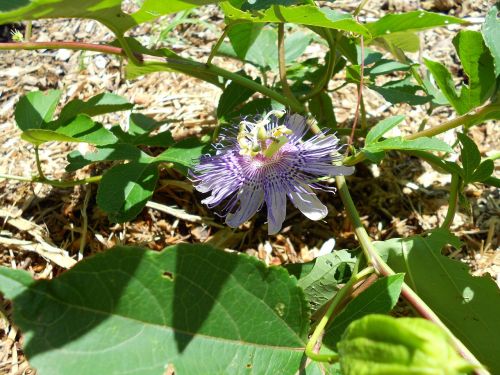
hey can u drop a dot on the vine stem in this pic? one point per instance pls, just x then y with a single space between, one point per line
282 63
360 92
339 297
56 183
461 120
178 64
383 268
452 208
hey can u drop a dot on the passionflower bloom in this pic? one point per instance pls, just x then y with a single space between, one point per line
266 160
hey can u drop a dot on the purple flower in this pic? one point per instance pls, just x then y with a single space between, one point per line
265 161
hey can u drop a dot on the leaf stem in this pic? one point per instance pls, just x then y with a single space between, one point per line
452 208
56 183
217 45
383 268
39 164
339 297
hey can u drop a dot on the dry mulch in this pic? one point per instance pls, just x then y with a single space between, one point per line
46 230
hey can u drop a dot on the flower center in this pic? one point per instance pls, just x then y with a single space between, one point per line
254 139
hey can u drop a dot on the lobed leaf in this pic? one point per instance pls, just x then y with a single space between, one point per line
201 310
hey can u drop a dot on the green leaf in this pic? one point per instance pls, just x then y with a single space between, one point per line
125 189
478 66
410 21
308 15
35 109
108 12
469 306
139 129
381 128
84 129
407 41
263 51
379 298
242 36
97 105
184 154
384 66
484 171
264 4
41 136
470 156
320 278
380 345
321 108
491 34
135 311
401 91
232 96
115 152
398 143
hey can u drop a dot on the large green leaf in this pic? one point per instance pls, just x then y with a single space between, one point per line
410 21
491 34
135 311
320 278
379 298
108 12
469 306
308 15
126 188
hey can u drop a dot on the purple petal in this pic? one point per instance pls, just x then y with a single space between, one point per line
309 204
276 207
251 198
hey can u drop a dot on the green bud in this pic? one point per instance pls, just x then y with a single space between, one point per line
383 345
